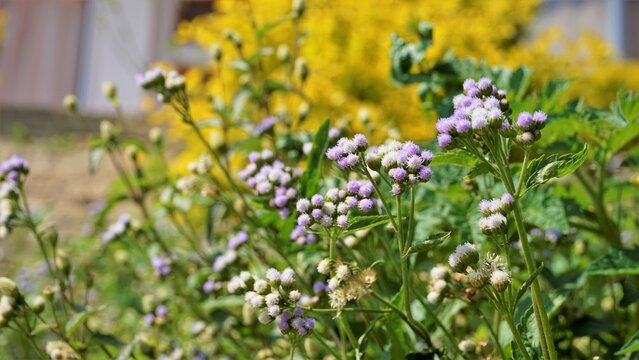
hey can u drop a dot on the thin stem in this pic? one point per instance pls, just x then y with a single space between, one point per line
418 328
541 317
326 347
382 198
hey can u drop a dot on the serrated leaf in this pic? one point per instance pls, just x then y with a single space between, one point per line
454 157
546 167
80 318
631 346
623 137
481 168
546 211
616 262
431 242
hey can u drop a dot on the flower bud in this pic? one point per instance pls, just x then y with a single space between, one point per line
216 52
131 152
70 102
425 30
109 90
106 130
50 235
302 111
48 292
62 262
467 346
233 37
264 317
301 69
156 135
283 53
8 287
38 304
500 280
299 6
477 279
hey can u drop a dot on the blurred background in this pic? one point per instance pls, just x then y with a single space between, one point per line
52 48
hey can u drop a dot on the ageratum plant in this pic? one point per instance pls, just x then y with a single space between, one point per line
323 243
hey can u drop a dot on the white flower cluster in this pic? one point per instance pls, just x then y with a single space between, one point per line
165 84
438 286
492 270
59 350
346 283
201 166
495 211
117 229
272 295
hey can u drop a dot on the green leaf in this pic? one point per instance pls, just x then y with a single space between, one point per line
481 168
40 328
631 346
454 157
359 223
264 29
546 211
106 339
95 155
80 318
628 105
623 137
524 287
309 182
616 262
546 167
520 81
529 335
431 242
362 342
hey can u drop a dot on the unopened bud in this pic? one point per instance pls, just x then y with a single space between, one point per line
216 52
38 304
303 110
467 346
70 102
50 235
62 262
299 6
131 152
48 292
156 135
109 90
425 30
301 69
477 279
500 280
283 53
8 287
106 130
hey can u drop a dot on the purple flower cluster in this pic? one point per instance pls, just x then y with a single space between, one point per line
480 106
272 179
495 211
117 229
12 168
156 317
162 265
528 127
405 163
230 255
300 236
296 323
265 125
333 208
346 151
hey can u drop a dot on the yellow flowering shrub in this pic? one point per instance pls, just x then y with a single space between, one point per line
347 43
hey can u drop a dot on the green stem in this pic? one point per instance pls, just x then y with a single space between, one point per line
418 328
541 317
326 347
381 197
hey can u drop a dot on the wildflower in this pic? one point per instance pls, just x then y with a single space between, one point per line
500 280
117 229
70 102
346 151
300 236
161 265
465 255
334 207
405 163
271 180
495 211
433 297
59 350
467 346
287 277
477 279
265 125
439 272
480 107
150 78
